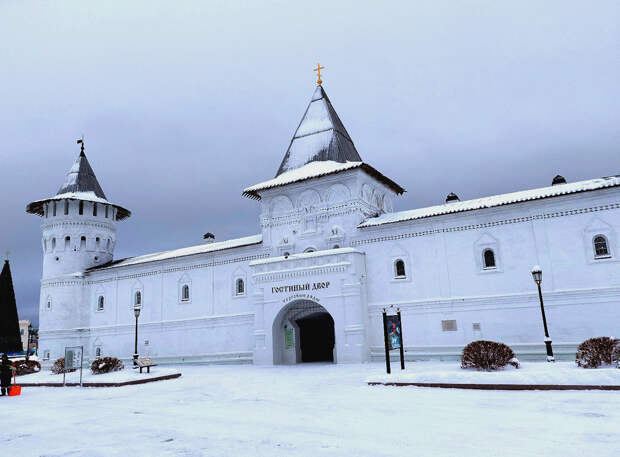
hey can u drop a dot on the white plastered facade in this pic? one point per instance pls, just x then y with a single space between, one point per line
311 249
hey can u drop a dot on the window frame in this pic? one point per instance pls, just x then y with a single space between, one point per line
397 262
100 307
485 266
188 297
237 282
608 254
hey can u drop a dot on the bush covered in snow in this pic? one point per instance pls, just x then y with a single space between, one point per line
487 355
26 367
59 366
106 365
594 352
615 356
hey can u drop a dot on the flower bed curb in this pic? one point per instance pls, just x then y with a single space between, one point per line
443 385
102 384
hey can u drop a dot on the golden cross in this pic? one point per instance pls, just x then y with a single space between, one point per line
318 70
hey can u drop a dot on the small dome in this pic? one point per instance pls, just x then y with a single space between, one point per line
558 180
452 197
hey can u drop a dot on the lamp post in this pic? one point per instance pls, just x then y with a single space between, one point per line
537 276
28 341
136 311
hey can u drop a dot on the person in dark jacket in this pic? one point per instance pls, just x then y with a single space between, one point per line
6 372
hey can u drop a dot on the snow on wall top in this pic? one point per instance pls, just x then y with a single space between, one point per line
315 170
495 200
305 255
320 136
192 250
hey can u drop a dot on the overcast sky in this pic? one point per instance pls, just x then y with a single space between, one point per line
183 104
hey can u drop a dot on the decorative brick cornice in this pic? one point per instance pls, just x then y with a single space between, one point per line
212 263
460 228
68 223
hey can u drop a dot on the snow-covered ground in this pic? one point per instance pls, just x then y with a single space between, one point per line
528 373
306 410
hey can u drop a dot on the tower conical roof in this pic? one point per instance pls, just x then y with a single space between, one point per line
81 178
10 340
80 184
320 137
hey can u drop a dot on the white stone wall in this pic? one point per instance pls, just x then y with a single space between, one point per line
445 279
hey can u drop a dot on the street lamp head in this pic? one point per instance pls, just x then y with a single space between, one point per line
537 274
136 310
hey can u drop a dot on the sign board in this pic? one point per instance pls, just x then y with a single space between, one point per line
73 361
394 332
289 338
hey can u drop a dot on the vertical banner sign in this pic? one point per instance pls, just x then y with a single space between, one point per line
393 338
394 333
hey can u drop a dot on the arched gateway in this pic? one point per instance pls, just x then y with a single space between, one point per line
303 331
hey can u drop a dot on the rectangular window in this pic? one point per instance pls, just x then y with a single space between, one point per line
448 326
46 355
95 209
476 326
54 208
66 207
106 211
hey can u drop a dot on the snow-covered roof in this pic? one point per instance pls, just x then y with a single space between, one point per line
80 184
320 136
304 255
315 170
495 200
192 250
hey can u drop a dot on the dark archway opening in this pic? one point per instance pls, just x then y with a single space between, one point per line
316 333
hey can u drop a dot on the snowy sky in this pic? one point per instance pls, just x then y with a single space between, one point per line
183 104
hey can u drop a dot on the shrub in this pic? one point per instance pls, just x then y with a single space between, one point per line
615 356
59 367
594 352
27 367
487 355
106 365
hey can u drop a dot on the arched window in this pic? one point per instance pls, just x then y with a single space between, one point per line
108 244
82 242
98 352
54 209
185 292
399 268
137 298
488 256
240 287
49 303
100 303
53 244
66 207
310 250
106 211
81 208
67 242
95 209
336 246
98 242
601 249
